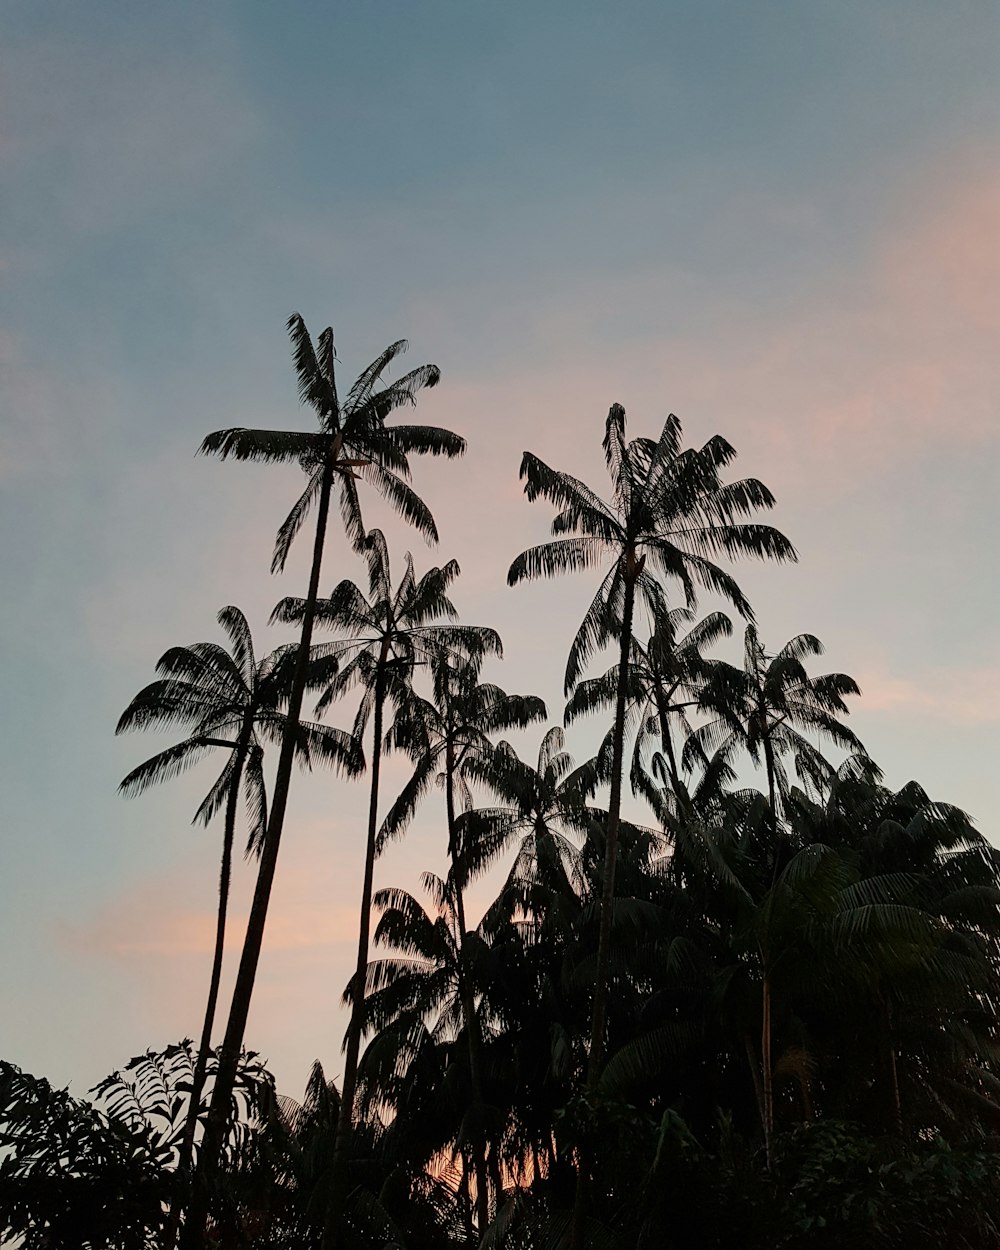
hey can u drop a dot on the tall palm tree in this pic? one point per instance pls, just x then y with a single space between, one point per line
545 809
672 511
233 702
663 680
386 633
444 736
418 1064
353 442
767 707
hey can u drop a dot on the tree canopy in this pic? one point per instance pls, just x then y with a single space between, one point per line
758 1008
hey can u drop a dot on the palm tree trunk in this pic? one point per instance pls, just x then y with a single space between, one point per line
469 1020
345 1120
667 739
766 1068
465 1201
595 1059
758 1088
201 1064
494 1168
896 1105
772 796
598 1019
232 1045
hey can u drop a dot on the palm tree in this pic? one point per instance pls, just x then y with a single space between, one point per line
663 679
353 442
418 996
927 1025
546 808
767 707
387 634
670 508
532 925
446 735
230 701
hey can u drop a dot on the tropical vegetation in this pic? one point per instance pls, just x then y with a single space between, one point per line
730 988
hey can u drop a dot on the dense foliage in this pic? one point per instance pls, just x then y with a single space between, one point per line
759 1008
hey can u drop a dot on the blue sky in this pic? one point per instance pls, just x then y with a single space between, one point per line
777 220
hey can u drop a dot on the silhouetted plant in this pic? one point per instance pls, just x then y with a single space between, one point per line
353 442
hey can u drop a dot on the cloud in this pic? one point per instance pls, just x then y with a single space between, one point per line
955 696
154 918
154 946
833 377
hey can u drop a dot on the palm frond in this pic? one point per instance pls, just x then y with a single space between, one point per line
267 446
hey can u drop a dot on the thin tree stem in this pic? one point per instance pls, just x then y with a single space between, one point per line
595 1059
601 988
345 1119
758 1088
201 1064
222 1093
766 1068
468 1005
897 1104
667 737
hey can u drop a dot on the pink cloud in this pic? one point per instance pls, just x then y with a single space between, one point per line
154 917
873 364
956 696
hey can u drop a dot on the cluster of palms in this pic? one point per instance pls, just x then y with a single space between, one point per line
741 963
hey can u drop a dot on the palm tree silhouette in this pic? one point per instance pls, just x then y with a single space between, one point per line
420 997
545 807
233 702
445 735
671 509
767 707
663 680
388 633
353 443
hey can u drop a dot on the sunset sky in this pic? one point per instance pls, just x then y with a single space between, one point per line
777 220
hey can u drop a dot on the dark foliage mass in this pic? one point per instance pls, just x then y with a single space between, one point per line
733 990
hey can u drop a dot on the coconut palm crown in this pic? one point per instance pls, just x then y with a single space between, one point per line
769 706
352 441
670 513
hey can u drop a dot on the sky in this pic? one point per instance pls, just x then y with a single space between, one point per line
778 221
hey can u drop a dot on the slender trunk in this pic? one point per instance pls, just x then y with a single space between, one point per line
598 1019
667 738
468 1008
896 1103
766 1070
201 1064
805 1090
772 796
897 1106
758 1087
465 1200
345 1120
668 743
494 1168
595 1059
232 1045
